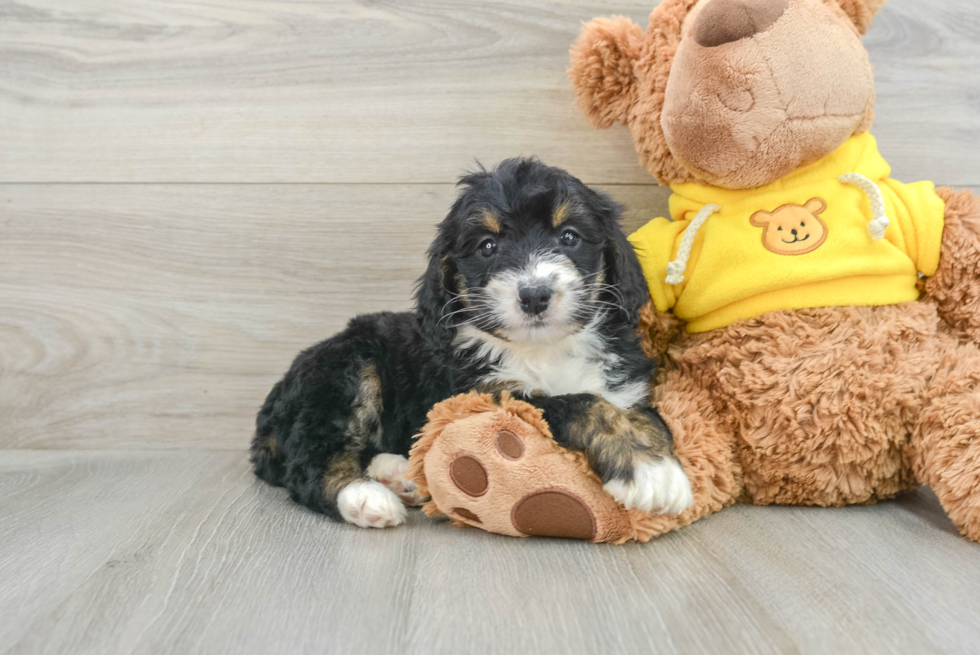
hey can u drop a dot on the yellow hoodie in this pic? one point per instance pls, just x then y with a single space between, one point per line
811 239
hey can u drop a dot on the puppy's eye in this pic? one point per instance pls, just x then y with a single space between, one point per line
779 230
568 238
488 248
802 224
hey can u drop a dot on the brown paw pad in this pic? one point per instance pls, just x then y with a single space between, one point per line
469 475
466 514
554 513
509 445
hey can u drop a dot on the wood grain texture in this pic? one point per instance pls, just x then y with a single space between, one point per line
119 552
159 316
408 91
255 172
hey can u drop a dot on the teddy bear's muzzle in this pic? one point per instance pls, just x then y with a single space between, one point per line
759 88
726 21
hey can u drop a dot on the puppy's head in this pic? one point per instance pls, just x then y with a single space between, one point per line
529 253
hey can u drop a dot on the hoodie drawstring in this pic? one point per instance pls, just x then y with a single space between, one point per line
877 227
676 268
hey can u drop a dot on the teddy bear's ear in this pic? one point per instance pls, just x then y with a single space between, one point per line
761 218
861 12
602 68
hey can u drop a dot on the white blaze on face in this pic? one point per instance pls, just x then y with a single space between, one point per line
551 353
551 270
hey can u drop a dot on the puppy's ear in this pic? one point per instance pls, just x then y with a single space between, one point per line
602 69
627 275
623 270
434 294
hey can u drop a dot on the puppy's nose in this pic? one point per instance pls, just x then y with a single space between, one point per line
794 232
534 300
725 21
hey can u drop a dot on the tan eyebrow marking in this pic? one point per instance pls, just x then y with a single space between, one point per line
560 214
490 221
462 290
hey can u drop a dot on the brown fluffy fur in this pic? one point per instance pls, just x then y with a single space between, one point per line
613 61
653 69
829 406
702 443
861 12
619 74
602 67
945 444
955 288
862 404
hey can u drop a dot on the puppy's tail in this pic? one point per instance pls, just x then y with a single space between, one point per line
266 444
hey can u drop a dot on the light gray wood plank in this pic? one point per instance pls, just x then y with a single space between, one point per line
858 579
215 561
65 517
159 316
926 132
263 91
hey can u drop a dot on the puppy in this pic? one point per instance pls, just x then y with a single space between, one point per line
532 288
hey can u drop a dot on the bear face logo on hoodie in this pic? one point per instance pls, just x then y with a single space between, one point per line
793 229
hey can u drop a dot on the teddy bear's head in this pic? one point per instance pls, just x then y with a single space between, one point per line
735 93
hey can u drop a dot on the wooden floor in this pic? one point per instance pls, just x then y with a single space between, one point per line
190 192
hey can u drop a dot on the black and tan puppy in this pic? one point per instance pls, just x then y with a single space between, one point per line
531 287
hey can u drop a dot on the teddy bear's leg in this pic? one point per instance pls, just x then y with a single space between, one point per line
492 463
955 288
703 443
946 440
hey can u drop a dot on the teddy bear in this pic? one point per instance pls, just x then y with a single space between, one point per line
816 321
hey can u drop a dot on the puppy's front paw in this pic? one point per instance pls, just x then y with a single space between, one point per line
370 505
658 486
389 470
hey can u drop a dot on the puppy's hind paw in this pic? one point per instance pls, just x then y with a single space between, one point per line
657 487
370 505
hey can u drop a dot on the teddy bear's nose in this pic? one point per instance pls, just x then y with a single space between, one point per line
725 21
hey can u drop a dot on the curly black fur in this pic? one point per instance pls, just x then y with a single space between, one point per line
367 390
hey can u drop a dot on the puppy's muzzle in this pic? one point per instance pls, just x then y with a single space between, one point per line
534 300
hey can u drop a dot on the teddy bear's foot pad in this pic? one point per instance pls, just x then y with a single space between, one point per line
554 513
496 467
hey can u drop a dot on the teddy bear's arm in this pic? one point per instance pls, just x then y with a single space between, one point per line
955 287
657 331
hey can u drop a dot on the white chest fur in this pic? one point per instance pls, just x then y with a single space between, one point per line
579 363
